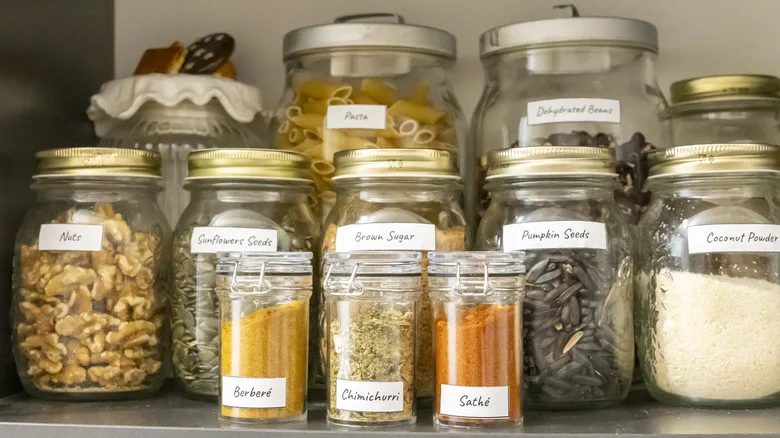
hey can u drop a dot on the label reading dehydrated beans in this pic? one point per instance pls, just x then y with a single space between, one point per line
733 238
386 236
70 237
369 396
356 117
211 240
475 401
555 235
542 112
246 392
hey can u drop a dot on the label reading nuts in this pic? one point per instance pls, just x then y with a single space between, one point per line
211 240
555 235
475 401
356 117
70 237
247 392
733 238
369 396
542 112
386 236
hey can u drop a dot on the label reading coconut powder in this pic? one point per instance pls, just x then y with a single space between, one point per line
247 392
70 237
386 236
369 396
555 235
211 240
733 238
356 117
475 401
542 112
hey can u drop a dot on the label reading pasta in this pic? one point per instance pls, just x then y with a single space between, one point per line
356 117
555 235
369 396
247 392
70 237
475 401
542 112
386 236
733 238
211 240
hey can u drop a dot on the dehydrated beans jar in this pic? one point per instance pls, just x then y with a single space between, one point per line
251 200
91 277
578 337
709 285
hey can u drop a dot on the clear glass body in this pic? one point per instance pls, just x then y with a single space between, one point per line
280 206
578 337
706 321
92 325
516 79
726 121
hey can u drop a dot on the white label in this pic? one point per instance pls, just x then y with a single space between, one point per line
369 396
70 237
573 110
555 235
733 238
247 392
211 240
388 237
475 401
356 117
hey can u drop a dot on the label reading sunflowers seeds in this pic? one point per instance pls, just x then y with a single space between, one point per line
733 238
356 117
369 396
542 112
386 236
248 392
211 240
70 237
555 235
475 401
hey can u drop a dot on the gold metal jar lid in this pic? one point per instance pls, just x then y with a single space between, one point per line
95 161
550 160
713 158
725 87
248 163
395 163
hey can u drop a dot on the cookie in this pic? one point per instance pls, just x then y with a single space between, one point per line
162 60
206 55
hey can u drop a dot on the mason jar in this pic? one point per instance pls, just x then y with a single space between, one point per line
708 288
369 81
557 204
576 81
725 109
91 277
246 200
399 200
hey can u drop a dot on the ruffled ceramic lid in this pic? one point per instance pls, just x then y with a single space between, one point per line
120 99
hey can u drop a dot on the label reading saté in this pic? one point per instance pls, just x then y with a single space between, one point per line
386 236
733 238
555 235
70 237
475 401
369 396
248 392
211 240
542 112
356 117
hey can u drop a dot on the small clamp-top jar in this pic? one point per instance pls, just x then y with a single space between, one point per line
371 310
91 277
709 286
578 339
477 310
251 200
264 332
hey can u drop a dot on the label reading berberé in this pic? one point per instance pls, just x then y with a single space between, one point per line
386 236
369 396
555 235
356 117
542 112
70 237
733 238
475 401
211 240
247 392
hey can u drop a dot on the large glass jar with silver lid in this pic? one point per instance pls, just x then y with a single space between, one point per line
708 289
243 200
576 81
557 204
725 109
369 81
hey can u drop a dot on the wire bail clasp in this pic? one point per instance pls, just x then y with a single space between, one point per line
259 287
461 289
354 288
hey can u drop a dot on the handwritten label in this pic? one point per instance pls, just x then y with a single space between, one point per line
369 396
386 236
211 240
475 401
555 235
542 112
247 392
733 238
70 237
356 117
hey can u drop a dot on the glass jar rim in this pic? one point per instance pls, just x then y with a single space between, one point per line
471 263
272 263
385 263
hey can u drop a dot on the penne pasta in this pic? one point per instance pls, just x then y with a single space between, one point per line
293 111
309 121
423 114
385 143
366 133
284 128
310 147
419 95
448 135
381 92
295 136
361 98
408 128
282 141
323 90
321 182
334 141
441 146
320 106
425 135
322 167
311 134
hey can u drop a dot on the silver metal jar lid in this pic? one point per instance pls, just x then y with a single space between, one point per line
349 32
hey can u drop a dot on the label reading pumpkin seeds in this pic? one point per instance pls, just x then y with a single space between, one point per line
386 236
733 238
70 237
247 392
211 240
555 235
369 396
542 112
356 117
475 401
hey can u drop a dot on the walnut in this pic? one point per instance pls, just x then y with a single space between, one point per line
70 375
105 282
84 325
78 354
69 280
80 300
104 375
97 343
75 258
131 329
141 308
151 366
129 267
144 279
117 231
134 377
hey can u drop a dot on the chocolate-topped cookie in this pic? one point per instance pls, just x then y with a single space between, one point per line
206 55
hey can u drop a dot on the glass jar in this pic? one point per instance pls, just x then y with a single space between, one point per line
477 310
708 290
403 200
577 81
578 338
250 200
264 345
725 109
358 84
91 277
371 310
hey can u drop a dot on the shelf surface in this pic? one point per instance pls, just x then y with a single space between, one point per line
169 415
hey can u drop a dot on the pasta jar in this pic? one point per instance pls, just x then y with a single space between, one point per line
91 277
371 309
709 283
402 200
576 81
264 325
477 311
358 83
248 200
557 205
725 109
